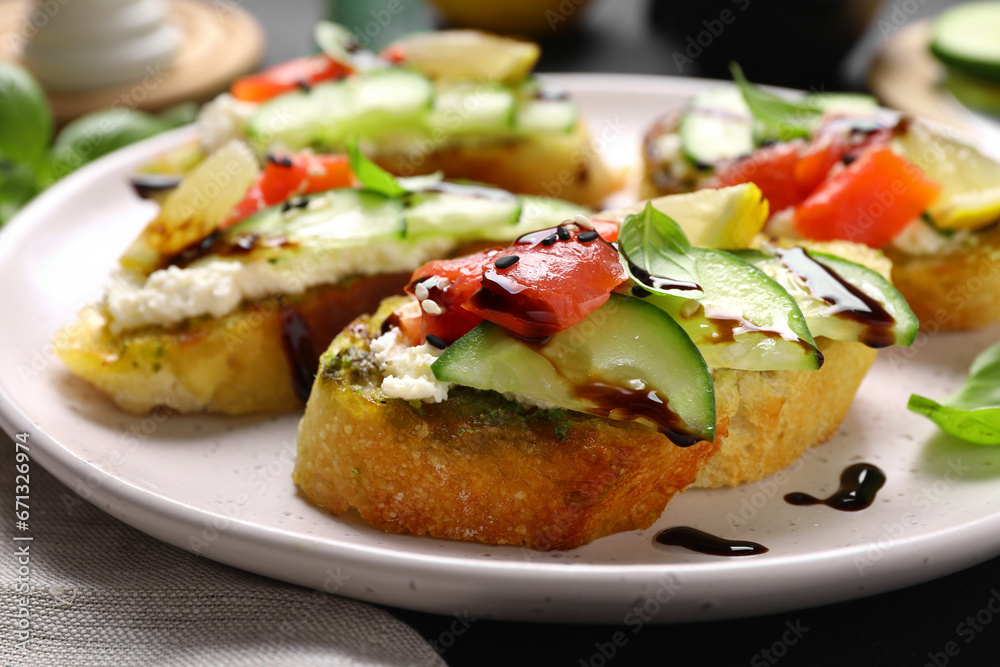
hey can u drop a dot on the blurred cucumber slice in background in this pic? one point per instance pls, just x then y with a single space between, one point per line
967 37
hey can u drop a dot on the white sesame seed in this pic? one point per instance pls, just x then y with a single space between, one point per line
420 291
431 307
583 221
443 282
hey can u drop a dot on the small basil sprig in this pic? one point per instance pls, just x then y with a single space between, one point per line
377 179
736 297
657 253
973 413
780 119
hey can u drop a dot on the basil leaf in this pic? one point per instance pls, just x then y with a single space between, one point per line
973 413
372 176
780 119
737 315
25 117
377 179
657 253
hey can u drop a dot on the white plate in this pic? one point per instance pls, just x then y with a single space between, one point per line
222 487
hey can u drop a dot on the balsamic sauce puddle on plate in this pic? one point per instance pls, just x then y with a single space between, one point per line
706 543
859 484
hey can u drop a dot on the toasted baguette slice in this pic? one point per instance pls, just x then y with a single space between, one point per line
248 361
772 417
955 290
478 467
564 166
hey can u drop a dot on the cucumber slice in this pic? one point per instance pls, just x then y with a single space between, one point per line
840 299
718 126
473 107
333 219
543 115
461 211
966 38
745 319
536 213
383 101
370 105
626 360
289 118
846 103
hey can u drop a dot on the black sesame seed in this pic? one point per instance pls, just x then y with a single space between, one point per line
848 159
299 202
562 233
640 291
549 240
286 207
434 341
280 161
506 262
304 85
587 237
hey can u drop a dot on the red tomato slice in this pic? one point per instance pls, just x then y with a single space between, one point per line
289 176
817 160
550 285
606 228
464 277
838 138
870 201
773 170
287 76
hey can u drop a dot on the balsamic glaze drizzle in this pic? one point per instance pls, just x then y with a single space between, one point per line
859 484
301 350
706 543
850 303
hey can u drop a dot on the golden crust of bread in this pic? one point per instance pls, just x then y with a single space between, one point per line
236 364
953 291
565 166
478 467
773 416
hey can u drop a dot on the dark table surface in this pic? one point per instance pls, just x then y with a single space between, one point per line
946 621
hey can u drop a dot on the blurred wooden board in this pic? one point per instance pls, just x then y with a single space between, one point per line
905 76
220 42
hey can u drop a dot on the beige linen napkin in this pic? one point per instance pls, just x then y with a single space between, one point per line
103 593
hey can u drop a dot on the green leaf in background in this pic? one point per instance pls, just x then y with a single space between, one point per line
780 119
179 115
25 117
99 133
655 247
17 186
973 413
